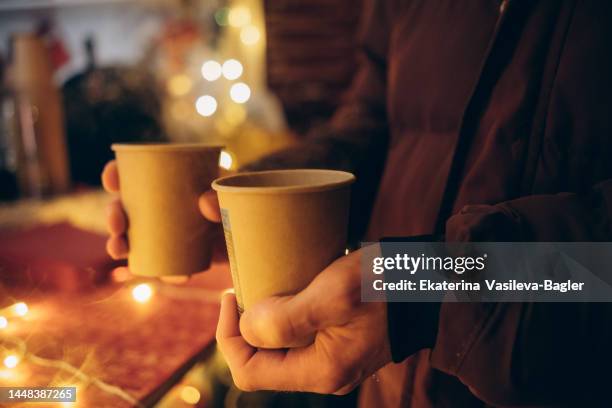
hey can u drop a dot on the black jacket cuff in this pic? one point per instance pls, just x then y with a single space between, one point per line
412 326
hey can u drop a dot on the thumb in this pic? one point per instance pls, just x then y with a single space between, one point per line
209 206
281 322
292 321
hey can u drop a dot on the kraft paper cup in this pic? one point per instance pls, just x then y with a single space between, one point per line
282 228
160 187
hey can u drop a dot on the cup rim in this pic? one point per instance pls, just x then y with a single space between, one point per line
346 179
164 147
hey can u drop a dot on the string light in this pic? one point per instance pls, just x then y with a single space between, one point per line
77 373
20 308
225 160
211 70
3 322
240 92
11 361
249 35
179 85
142 293
239 16
206 105
232 69
190 394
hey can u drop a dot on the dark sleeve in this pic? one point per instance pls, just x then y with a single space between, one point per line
535 353
355 139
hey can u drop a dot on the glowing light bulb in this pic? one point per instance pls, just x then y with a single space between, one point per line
225 160
249 35
142 293
232 69
239 16
211 70
11 361
190 394
20 309
240 92
206 105
179 85
3 322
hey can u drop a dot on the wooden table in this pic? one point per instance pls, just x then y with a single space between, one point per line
139 349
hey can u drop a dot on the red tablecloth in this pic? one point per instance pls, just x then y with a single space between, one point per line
141 349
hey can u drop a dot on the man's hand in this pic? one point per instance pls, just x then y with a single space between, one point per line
351 340
117 221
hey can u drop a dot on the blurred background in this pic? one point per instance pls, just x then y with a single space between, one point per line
79 75
252 74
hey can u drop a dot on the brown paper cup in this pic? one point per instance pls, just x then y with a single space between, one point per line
282 228
160 188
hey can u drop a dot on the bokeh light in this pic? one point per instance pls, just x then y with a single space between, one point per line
190 394
20 308
249 35
3 322
240 92
225 160
232 69
206 105
239 16
211 70
142 293
11 361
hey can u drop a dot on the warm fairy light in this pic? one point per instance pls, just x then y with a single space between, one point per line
211 70
240 92
11 361
3 322
179 85
142 293
206 105
232 69
249 35
190 394
239 16
346 251
225 160
20 309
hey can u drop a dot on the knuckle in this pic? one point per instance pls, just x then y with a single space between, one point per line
348 298
334 378
242 382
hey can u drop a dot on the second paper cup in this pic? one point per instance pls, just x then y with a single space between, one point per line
282 228
160 188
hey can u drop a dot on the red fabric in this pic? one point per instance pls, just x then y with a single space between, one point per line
57 256
468 105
